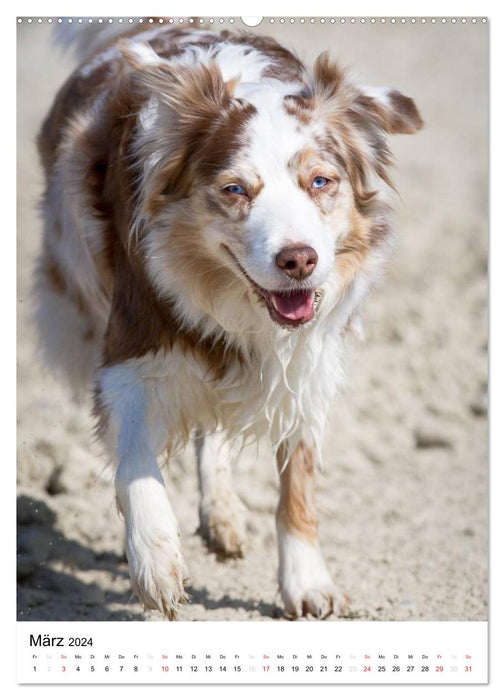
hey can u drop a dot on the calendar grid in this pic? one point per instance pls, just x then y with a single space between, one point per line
362 652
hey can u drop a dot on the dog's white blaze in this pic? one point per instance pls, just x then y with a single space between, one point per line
282 214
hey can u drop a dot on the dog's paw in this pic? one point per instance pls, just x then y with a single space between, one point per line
305 583
158 573
223 523
318 601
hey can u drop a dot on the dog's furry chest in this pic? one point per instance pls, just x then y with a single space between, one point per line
281 395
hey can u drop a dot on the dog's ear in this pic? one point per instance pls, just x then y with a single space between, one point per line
385 107
192 114
360 119
191 92
394 112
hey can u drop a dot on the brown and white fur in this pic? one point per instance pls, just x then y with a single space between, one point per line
214 215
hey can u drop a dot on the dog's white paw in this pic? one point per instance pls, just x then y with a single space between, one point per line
305 583
318 601
158 571
223 522
157 568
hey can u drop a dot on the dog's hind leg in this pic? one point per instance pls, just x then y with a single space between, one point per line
69 336
222 513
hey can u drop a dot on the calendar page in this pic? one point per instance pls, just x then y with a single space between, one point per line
252 383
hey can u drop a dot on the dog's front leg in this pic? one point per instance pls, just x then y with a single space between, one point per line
127 403
305 582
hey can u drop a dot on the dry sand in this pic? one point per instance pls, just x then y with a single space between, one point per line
403 495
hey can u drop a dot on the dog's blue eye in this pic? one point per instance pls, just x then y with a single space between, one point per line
319 182
235 189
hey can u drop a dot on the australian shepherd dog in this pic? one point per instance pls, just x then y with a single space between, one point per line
215 213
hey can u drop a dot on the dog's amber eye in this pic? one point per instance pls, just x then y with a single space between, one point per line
235 189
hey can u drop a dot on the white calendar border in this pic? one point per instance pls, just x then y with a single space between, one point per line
496 345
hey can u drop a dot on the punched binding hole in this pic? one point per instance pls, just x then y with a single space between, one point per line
251 21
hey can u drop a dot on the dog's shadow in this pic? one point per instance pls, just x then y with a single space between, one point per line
52 572
200 596
54 583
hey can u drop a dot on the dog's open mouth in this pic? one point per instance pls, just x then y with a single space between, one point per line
290 308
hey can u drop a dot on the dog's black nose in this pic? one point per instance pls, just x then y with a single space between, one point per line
297 261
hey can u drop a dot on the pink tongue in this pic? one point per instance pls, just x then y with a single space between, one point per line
295 306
